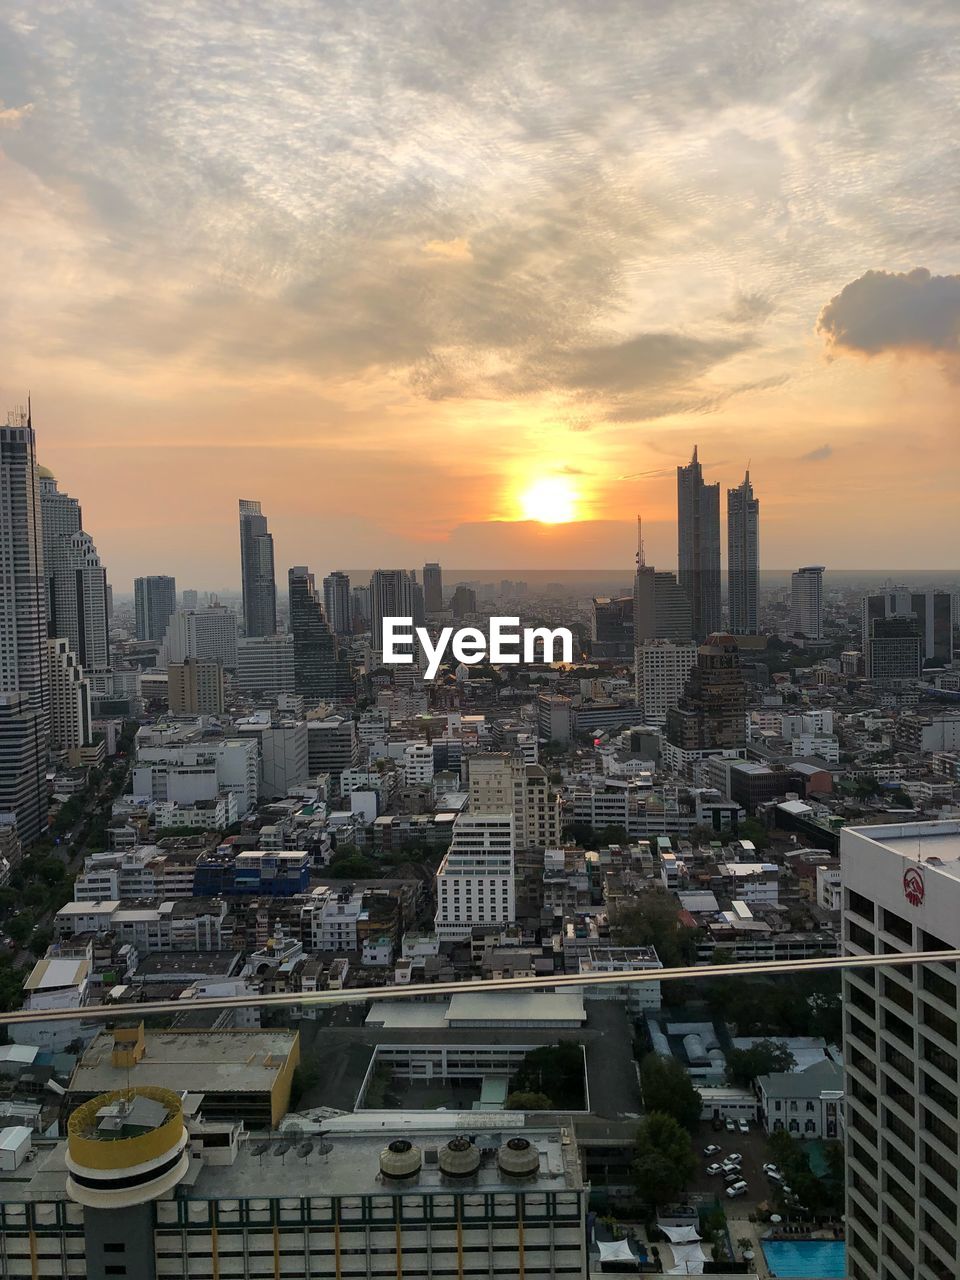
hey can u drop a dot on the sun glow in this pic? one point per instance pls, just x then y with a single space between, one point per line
552 500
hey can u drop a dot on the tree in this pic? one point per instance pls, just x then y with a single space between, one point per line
653 920
558 1067
665 1161
668 1089
528 1102
766 1057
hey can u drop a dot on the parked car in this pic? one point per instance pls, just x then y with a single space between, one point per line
775 1175
733 1158
738 1189
711 1150
714 1168
743 1126
730 1166
730 1124
735 1176
771 1168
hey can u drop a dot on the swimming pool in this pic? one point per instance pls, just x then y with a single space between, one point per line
806 1259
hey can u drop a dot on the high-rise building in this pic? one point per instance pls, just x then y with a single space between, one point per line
901 892
711 717
336 603
475 880
662 668
932 609
894 649
76 580
432 588
503 783
154 599
698 536
23 764
24 664
209 634
265 664
257 571
318 669
806 602
743 558
195 687
611 635
189 600
360 608
70 718
661 607
391 596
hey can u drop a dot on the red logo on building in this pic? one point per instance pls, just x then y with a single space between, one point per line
913 889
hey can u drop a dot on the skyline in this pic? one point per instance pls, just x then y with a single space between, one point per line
393 272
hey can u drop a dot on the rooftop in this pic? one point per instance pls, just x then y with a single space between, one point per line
920 842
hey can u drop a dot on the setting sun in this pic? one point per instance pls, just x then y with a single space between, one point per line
552 500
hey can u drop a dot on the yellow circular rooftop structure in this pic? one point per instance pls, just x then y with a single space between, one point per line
126 1147
45 473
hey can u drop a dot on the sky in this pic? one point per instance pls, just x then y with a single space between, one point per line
390 266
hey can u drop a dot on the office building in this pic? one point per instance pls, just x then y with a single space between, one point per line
391 596
191 771
332 746
189 599
23 763
661 607
931 609
257 571
611 633
195 687
806 602
662 668
360 608
70 717
319 672
698 542
283 751
894 649
712 713
464 601
475 880
76 581
901 892
432 588
265 664
143 1186
24 665
336 603
209 635
155 600
502 783
743 558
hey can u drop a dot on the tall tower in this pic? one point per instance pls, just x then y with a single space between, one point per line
432 588
806 602
743 557
155 600
391 596
76 580
336 602
698 545
318 670
24 663
256 568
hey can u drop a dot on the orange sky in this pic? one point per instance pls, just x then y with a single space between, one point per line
386 269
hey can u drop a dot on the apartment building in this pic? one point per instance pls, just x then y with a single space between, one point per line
475 880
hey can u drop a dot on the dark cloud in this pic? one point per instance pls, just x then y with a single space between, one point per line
908 311
817 455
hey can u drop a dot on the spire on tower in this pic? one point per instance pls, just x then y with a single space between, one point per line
641 559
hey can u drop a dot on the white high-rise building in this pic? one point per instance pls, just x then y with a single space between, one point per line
391 596
265 664
661 671
901 892
210 634
70 719
475 881
806 602
76 579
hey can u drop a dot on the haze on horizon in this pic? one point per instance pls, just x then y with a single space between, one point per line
394 267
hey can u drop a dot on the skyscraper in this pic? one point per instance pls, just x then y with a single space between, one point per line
257 571
894 649
698 546
76 580
155 599
336 602
432 588
210 634
661 607
806 602
932 610
391 596
70 719
318 670
712 713
743 558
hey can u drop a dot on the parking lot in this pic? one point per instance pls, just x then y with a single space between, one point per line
752 1146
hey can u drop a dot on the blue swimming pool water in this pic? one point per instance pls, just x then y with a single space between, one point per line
806 1259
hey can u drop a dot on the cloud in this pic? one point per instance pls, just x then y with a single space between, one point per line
13 117
906 312
819 454
452 250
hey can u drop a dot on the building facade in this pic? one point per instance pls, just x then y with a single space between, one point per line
257 571
806 602
743 558
698 533
475 881
155 600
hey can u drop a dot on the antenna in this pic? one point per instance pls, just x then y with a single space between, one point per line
641 559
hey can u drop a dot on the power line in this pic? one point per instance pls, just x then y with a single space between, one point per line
393 991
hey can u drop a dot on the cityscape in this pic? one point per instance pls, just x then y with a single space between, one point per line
479 640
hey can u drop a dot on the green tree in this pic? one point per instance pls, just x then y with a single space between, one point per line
554 1067
665 1161
653 920
668 1089
529 1102
764 1058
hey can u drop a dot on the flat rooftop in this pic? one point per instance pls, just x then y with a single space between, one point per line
501 1008
920 841
335 1164
197 1061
